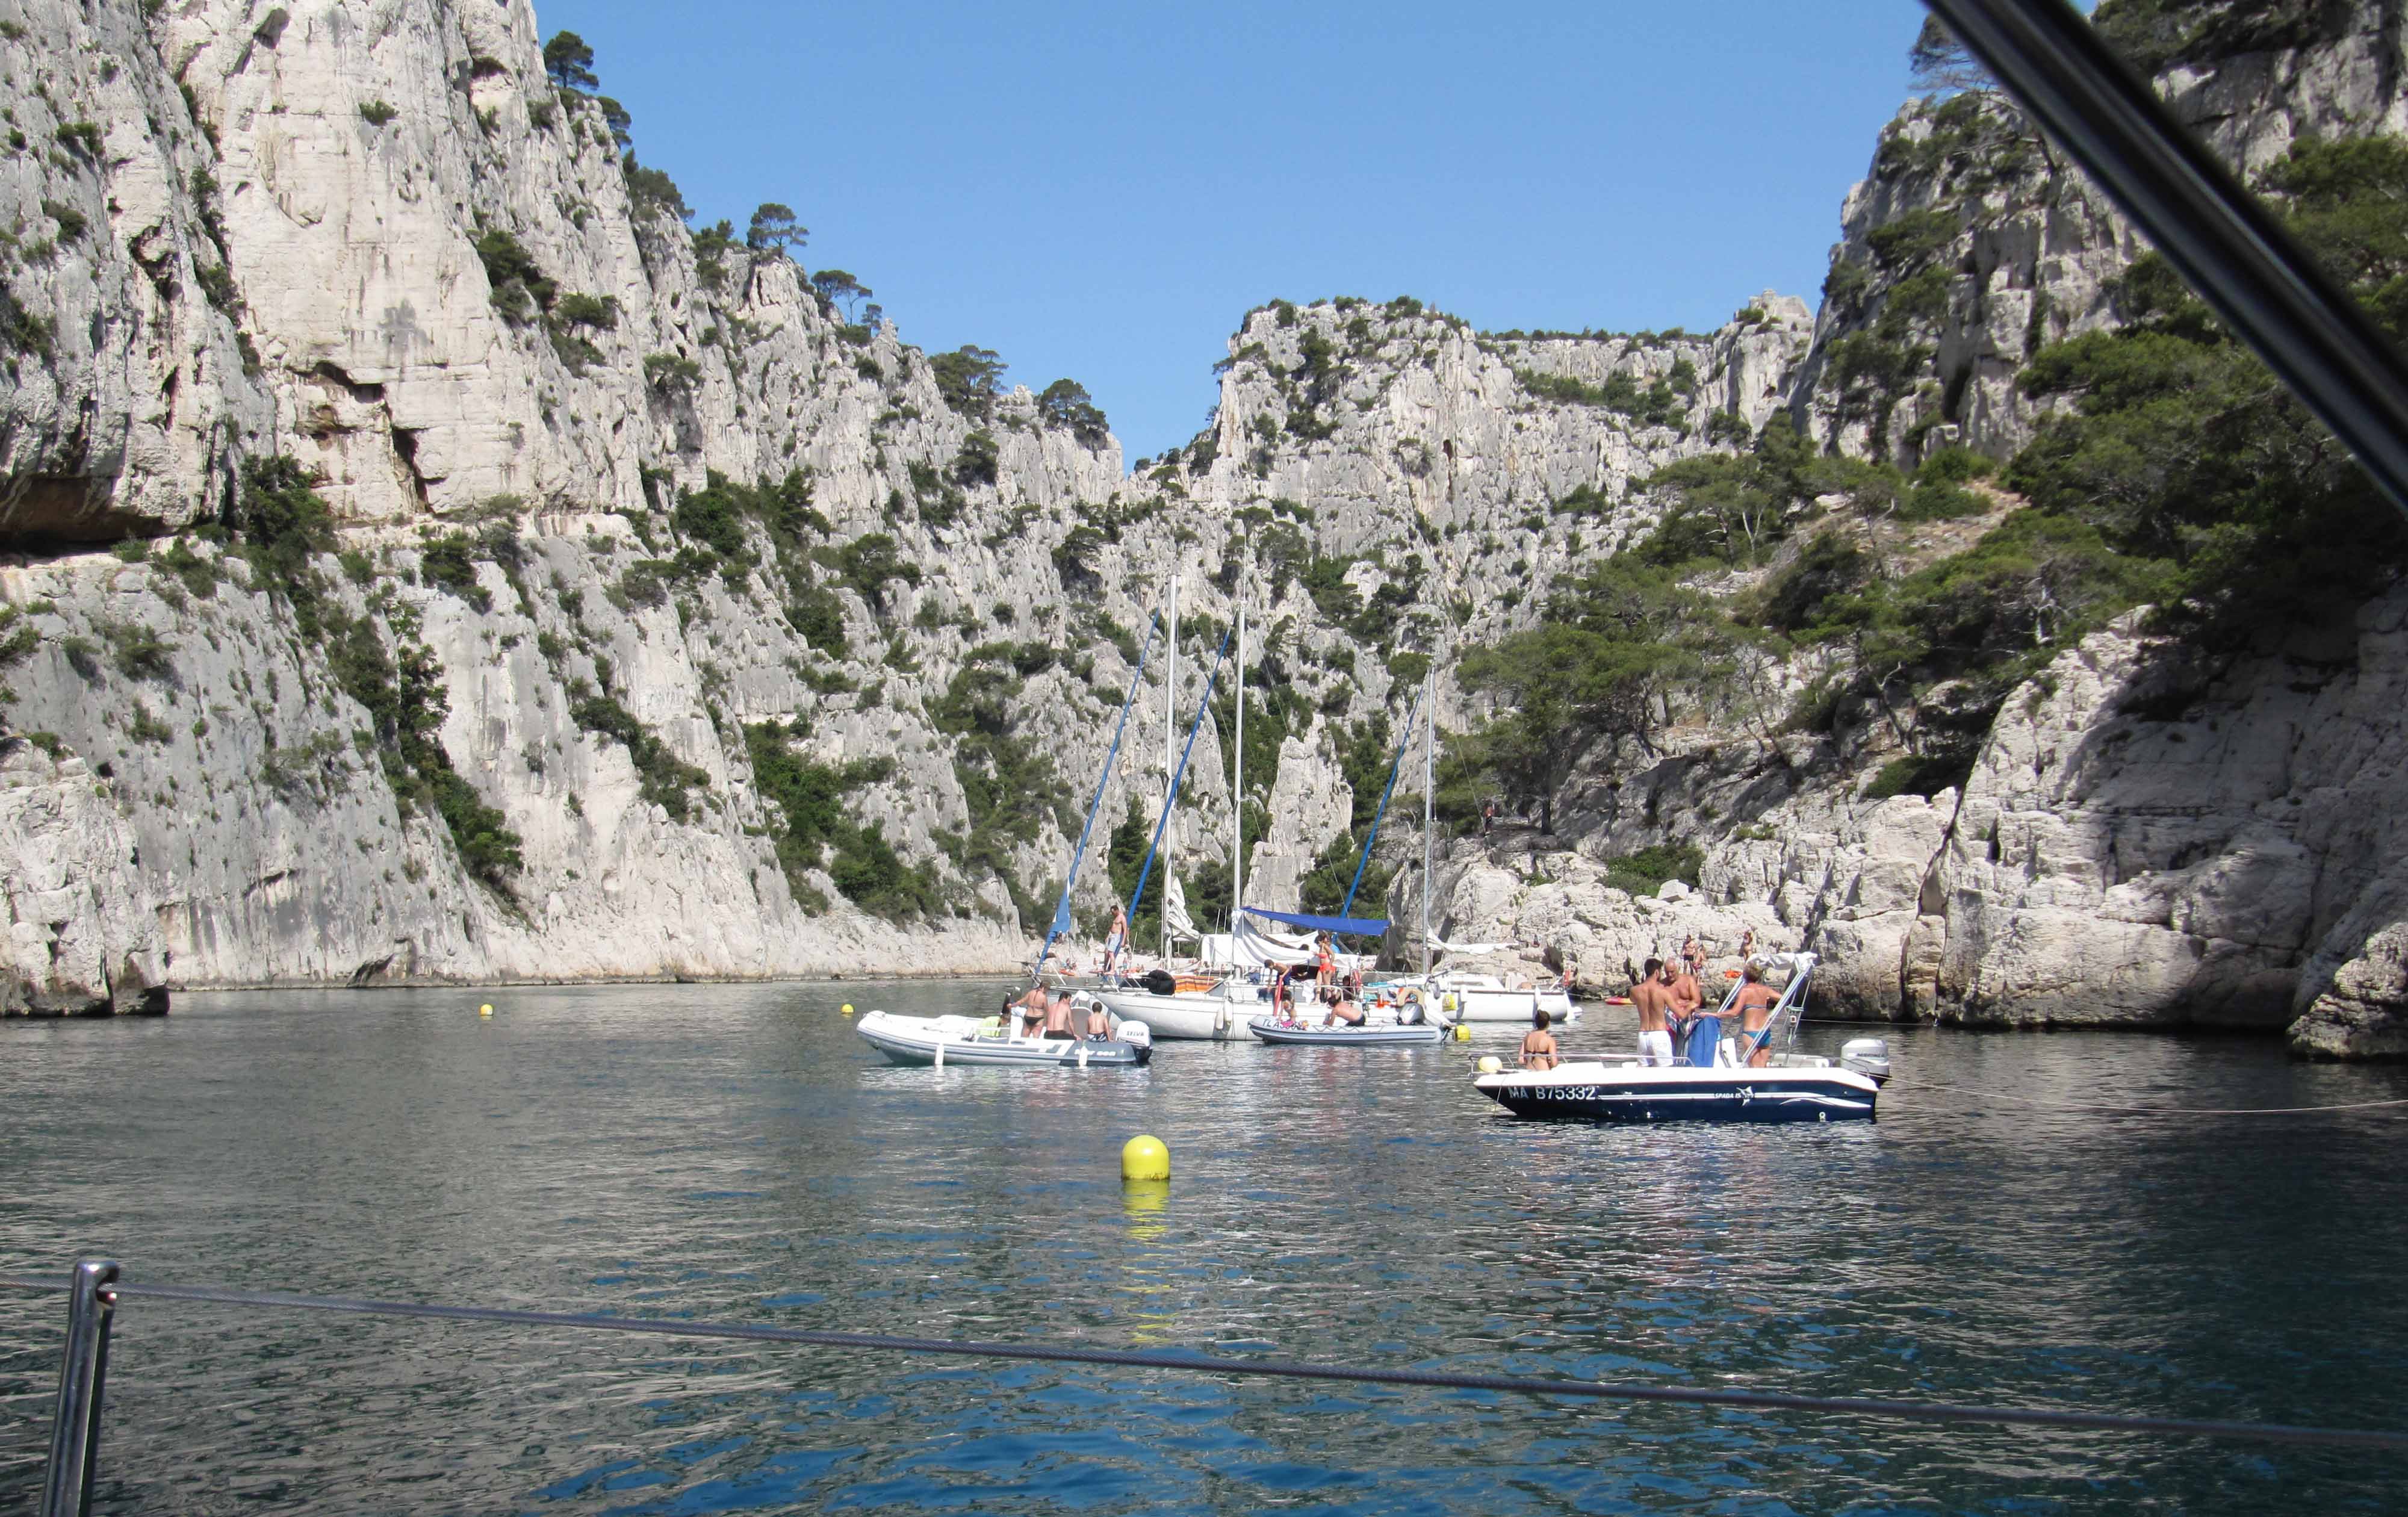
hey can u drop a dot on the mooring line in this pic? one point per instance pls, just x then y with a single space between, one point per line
2162 1111
1930 1411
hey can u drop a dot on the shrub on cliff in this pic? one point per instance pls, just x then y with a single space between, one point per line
2180 448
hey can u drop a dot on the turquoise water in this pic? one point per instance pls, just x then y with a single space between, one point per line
736 1152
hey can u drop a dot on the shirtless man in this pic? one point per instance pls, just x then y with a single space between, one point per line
1057 1015
1755 1006
1343 1011
1688 1006
1538 1044
1653 997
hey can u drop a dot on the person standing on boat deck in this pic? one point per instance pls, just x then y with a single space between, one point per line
1653 997
1325 961
1031 1010
1754 1008
1702 1031
1117 938
1538 1044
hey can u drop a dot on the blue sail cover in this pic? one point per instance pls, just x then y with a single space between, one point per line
1351 926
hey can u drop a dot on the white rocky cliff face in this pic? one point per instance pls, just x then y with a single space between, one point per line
772 645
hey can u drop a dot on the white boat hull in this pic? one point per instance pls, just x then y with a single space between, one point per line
1480 1005
1191 1018
966 1041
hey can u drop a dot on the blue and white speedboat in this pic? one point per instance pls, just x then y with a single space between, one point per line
1789 1086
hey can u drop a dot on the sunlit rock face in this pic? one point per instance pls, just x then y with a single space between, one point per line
376 241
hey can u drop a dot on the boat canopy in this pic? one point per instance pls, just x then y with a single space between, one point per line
1352 926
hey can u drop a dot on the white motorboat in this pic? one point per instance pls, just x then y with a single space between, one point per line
1280 1030
1464 996
1796 1087
1215 1014
972 1041
1714 1082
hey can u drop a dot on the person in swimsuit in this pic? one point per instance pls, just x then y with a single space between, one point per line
1538 1044
1755 1006
1032 1012
1100 1027
1117 938
1343 1011
1653 997
1325 961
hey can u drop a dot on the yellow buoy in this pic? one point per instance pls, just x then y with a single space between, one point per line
486 1010
1144 1157
1491 1065
847 1008
1463 1032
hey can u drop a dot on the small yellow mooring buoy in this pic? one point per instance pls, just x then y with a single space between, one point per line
1491 1065
485 1010
1463 1032
1144 1157
847 1008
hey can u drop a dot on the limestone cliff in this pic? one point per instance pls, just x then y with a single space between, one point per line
665 620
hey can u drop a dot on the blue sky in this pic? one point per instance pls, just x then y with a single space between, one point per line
1100 191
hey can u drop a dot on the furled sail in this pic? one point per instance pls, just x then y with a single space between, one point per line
1174 909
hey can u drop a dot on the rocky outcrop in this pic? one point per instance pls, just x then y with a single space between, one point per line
82 936
626 506
1970 244
1555 911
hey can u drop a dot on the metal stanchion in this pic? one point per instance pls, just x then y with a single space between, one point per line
75 1433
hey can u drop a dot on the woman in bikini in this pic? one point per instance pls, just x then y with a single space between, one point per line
1538 1044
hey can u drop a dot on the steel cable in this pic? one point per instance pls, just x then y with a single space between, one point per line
1928 1411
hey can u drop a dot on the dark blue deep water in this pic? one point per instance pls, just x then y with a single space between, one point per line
735 1152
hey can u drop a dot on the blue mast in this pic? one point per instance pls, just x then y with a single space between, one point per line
1393 769
1172 798
1062 910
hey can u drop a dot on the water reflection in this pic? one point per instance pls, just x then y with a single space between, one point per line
739 1153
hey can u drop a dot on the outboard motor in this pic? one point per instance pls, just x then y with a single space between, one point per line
1866 1056
1138 1035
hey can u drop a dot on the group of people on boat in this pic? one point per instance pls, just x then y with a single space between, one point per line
1672 1015
1337 992
1044 1012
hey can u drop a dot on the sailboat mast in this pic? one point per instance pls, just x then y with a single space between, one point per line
1238 783
1170 724
1429 809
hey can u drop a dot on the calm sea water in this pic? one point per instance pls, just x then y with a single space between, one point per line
735 1152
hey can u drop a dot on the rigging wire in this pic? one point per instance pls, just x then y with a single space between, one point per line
1927 1411
2151 1111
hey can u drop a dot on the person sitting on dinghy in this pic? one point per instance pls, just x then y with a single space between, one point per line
1538 1044
1342 1013
1100 1027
